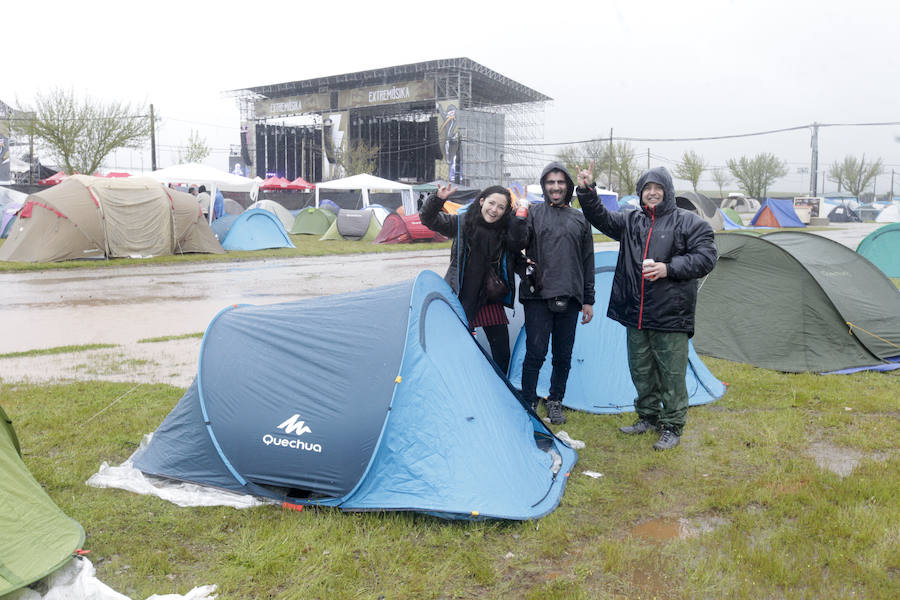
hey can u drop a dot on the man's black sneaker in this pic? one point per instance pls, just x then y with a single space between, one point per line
555 412
640 426
667 441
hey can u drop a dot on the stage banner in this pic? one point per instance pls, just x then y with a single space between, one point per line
395 93
448 168
292 105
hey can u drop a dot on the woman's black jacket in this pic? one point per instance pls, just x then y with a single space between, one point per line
452 226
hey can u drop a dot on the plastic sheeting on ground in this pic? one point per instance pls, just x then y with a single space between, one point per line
127 477
77 581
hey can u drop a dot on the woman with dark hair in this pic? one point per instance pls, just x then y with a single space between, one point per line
481 260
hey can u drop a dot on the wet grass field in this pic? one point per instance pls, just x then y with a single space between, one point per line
784 488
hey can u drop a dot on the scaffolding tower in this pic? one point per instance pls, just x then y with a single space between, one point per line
461 122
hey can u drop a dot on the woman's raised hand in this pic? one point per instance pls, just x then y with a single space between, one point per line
586 176
444 191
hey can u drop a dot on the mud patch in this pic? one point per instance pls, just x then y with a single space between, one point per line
173 362
840 461
664 529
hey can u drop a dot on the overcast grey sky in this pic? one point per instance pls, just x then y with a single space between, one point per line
645 68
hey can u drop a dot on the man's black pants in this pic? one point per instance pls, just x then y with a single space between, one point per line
542 325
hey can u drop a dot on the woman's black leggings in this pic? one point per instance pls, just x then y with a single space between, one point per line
498 338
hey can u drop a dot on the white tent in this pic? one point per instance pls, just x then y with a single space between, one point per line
891 214
368 183
214 179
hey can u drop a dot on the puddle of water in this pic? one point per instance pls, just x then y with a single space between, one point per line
661 530
664 529
840 461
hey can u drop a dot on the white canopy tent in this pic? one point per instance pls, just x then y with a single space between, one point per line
214 179
368 183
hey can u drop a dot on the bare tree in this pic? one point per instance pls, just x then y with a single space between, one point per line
690 168
583 155
573 157
79 136
358 159
615 166
195 150
755 175
625 166
721 179
854 174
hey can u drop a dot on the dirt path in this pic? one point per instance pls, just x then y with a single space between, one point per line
124 305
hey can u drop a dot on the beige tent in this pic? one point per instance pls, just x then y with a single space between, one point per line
96 217
283 214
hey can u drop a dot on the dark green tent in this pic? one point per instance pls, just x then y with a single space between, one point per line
36 537
882 249
795 301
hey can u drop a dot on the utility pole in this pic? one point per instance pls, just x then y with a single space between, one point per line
814 162
152 140
611 158
501 168
31 157
648 159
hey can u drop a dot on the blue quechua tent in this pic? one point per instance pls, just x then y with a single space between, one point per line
253 229
599 379
376 400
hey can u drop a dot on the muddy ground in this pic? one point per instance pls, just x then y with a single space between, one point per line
122 306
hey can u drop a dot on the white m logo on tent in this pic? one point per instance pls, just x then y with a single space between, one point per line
292 425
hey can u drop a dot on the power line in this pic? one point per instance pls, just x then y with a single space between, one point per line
710 138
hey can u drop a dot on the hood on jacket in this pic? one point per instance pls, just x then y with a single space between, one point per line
570 183
662 177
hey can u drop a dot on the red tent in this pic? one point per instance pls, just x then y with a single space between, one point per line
275 183
53 179
402 229
302 184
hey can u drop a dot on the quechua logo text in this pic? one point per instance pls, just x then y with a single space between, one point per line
294 427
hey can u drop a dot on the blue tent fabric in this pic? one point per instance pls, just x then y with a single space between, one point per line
610 199
221 226
254 229
730 225
599 380
783 211
319 402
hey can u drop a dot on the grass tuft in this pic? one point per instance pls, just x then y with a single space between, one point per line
56 350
